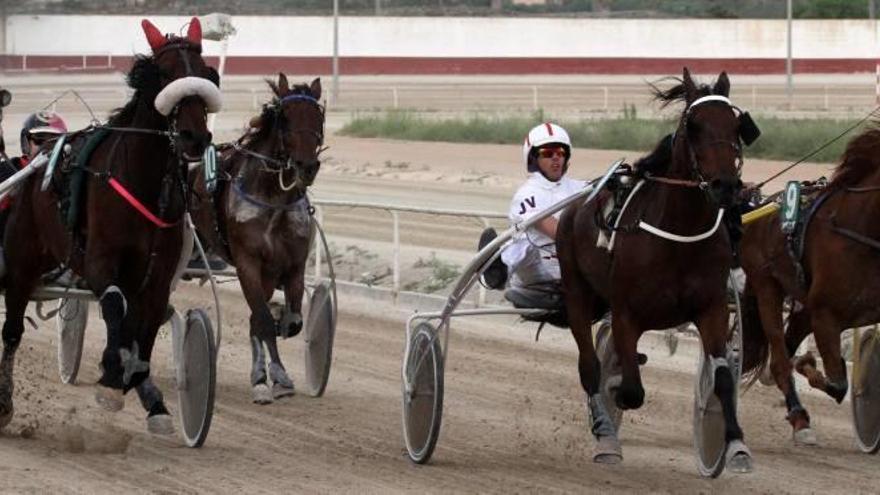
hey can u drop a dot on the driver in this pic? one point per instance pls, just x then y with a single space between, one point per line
530 258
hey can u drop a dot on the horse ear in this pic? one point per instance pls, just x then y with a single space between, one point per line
690 89
283 85
154 37
315 88
722 85
194 33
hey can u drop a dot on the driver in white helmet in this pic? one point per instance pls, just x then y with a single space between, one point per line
530 258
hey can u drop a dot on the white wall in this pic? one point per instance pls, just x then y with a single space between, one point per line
461 37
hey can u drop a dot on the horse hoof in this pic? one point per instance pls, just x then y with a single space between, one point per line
805 437
739 457
111 399
261 394
279 390
160 424
607 451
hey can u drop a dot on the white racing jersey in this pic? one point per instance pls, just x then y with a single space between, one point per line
531 255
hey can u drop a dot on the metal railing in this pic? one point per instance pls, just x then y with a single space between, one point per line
588 99
394 211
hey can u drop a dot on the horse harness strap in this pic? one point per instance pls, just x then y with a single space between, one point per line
137 205
675 182
236 186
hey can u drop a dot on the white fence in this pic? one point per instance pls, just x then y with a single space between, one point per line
394 211
585 100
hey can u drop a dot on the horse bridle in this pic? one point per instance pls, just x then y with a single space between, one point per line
696 172
284 161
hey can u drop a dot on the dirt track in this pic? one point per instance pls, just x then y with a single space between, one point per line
513 422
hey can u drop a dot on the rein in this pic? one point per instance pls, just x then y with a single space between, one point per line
820 148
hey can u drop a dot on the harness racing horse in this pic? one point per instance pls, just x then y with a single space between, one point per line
126 241
833 282
670 260
259 219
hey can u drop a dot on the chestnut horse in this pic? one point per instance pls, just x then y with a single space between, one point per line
833 284
259 219
669 264
126 241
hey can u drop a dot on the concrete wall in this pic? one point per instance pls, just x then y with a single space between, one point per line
476 45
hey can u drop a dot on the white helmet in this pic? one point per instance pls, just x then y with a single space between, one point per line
540 135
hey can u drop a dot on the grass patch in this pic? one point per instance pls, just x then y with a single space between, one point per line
781 139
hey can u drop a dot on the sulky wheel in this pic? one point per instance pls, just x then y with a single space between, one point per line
709 442
422 393
610 374
865 397
199 375
320 330
73 315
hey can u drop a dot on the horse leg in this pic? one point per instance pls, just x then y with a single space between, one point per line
13 328
826 330
282 385
159 420
713 333
770 309
291 322
631 394
148 314
579 305
262 326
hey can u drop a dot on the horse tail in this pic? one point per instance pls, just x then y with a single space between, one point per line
756 347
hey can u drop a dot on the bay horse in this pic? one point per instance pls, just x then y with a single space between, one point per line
833 284
126 241
669 264
259 219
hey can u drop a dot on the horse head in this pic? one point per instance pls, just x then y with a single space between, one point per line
299 122
188 88
707 145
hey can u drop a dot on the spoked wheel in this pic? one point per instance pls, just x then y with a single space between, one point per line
320 330
866 393
709 438
199 374
422 393
73 315
610 373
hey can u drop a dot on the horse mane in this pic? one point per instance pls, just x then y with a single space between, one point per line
861 158
144 79
269 115
660 158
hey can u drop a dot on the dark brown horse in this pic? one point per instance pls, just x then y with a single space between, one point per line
259 219
652 280
126 241
833 284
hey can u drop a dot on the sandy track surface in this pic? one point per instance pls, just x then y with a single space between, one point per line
513 421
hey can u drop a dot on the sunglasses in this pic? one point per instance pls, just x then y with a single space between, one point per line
551 152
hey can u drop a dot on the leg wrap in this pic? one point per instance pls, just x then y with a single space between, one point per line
600 420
